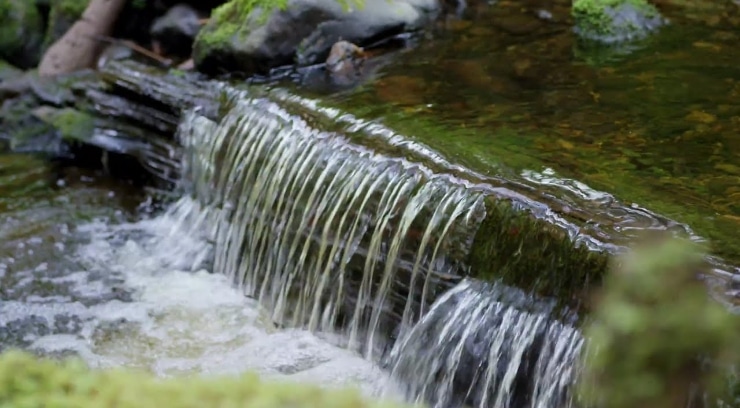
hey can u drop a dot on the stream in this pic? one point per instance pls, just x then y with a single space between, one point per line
87 270
325 236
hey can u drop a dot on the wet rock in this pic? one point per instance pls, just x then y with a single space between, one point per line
615 21
175 31
114 52
21 32
344 59
252 40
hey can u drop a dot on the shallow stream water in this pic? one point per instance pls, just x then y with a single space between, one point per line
87 271
506 89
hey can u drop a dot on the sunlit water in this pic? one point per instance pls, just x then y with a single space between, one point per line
139 293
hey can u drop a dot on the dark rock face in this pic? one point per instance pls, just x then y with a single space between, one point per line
247 40
176 30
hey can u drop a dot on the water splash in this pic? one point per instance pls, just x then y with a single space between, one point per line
488 345
323 232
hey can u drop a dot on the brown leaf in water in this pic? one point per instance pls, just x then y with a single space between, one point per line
701 117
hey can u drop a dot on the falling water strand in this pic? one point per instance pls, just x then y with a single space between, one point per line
488 345
324 233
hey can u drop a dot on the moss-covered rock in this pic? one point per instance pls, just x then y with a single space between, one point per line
614 21
655 333
29 382
249 37
9 72
71 123
21 32
534 255
62 16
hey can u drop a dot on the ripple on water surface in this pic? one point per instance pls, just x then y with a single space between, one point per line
139 294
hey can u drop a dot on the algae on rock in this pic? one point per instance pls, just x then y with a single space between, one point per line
534 255
615 21
71 124
254 36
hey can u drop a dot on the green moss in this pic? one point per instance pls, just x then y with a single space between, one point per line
534 255
229 20
652 320
20 32
72 8
63 14
591 15
71 124
29 382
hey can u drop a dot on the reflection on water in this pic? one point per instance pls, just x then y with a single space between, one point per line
84 272
508 85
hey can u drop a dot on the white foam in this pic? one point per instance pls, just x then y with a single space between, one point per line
180 319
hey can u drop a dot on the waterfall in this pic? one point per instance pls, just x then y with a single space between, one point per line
329 235
325 233
488 345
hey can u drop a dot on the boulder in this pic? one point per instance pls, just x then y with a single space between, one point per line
615 21
176 30
247 39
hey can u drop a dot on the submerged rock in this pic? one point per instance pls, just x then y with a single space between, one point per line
248 39
21 32
615 21
344 59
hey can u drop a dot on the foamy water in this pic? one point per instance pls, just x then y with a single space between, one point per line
141 295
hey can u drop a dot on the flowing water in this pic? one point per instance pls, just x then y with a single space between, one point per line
312 255
506 89
488 345
86 270
296 253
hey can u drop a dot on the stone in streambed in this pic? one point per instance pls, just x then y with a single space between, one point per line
615 21
243 38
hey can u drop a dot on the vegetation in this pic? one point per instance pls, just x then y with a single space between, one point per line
614 20
28 382
655 333
20 32
534 255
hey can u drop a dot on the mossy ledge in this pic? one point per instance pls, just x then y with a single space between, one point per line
514 246
27 381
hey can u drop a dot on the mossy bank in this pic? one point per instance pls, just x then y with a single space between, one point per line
26 381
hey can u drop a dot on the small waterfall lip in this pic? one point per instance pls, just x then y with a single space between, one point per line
543 193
